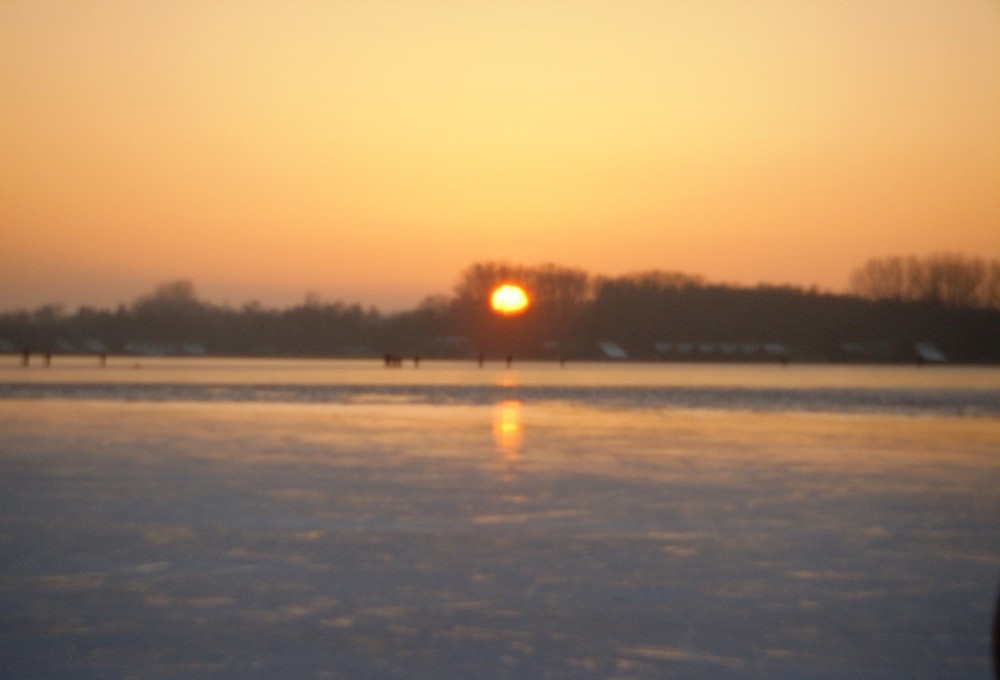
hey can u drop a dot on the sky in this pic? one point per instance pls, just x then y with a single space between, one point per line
370 151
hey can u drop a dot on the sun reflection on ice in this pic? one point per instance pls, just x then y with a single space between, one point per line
508 431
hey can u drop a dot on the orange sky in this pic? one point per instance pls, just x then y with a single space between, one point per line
370 151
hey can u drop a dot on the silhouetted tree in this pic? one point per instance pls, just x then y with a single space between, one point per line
175 296
172 313
556 294
944 278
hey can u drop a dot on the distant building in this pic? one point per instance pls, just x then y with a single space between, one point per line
187 348
927 352
612 350
94 346
884 351
724 351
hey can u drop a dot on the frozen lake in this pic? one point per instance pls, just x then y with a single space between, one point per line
253 519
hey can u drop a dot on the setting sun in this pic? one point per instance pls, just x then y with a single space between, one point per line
509 299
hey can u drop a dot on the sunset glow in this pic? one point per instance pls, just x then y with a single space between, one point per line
370 151
509 299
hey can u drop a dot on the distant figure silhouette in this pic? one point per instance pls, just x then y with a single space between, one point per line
416 362
25 357
482 360
509 360
48 359
102 359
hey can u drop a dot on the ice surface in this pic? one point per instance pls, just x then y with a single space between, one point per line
507 540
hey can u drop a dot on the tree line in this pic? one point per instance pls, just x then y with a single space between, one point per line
946 278
572 311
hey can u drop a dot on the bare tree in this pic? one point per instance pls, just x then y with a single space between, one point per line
990 290
173 296
953 279
945 278
548 285
881 279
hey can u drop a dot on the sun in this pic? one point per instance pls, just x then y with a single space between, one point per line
509 299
